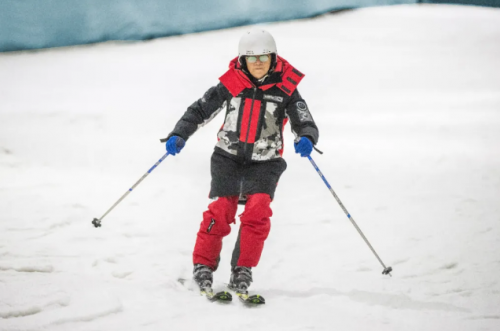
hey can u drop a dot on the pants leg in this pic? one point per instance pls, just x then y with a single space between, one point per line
213 228
254 229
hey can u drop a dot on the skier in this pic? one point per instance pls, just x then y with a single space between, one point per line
258 95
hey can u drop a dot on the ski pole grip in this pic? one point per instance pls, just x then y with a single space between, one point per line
179 143
296 140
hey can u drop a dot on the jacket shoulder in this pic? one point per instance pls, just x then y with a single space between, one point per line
234 82
291 78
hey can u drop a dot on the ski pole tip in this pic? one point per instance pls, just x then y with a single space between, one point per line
96 222
387 271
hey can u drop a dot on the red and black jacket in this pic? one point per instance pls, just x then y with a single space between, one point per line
255 113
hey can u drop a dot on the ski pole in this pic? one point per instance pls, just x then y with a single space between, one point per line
97 221
387 270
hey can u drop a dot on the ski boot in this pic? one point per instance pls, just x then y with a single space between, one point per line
202 275
241 278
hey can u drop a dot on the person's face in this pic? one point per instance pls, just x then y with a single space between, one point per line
258 65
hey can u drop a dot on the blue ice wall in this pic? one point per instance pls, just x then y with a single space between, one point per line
485 3
31 24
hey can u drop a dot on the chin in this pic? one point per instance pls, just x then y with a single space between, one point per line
259 75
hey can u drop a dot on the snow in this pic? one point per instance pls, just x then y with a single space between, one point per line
407 99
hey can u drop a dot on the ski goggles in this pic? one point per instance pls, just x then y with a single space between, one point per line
262 58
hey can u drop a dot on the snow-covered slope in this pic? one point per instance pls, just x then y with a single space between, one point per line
407 99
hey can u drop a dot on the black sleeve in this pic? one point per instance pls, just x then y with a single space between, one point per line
301 119
201 112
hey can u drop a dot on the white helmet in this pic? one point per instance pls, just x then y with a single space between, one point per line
256 42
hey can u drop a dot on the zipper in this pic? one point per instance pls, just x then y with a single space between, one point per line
246 138
248 127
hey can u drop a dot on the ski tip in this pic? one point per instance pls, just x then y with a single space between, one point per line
256 300
223 296
252 300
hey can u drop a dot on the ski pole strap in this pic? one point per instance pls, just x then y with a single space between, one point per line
387 270
296 140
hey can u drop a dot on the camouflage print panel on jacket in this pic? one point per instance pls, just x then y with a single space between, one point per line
255 115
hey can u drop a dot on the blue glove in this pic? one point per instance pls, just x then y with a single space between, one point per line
175 144
304 147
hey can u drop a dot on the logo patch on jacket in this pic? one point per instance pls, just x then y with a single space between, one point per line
273 98
304 115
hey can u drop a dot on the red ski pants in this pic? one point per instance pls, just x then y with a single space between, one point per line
254 229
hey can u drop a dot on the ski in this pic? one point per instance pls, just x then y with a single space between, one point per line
222 296
248 300
251 300
208 292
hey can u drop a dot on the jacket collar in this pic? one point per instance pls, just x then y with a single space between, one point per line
235 79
